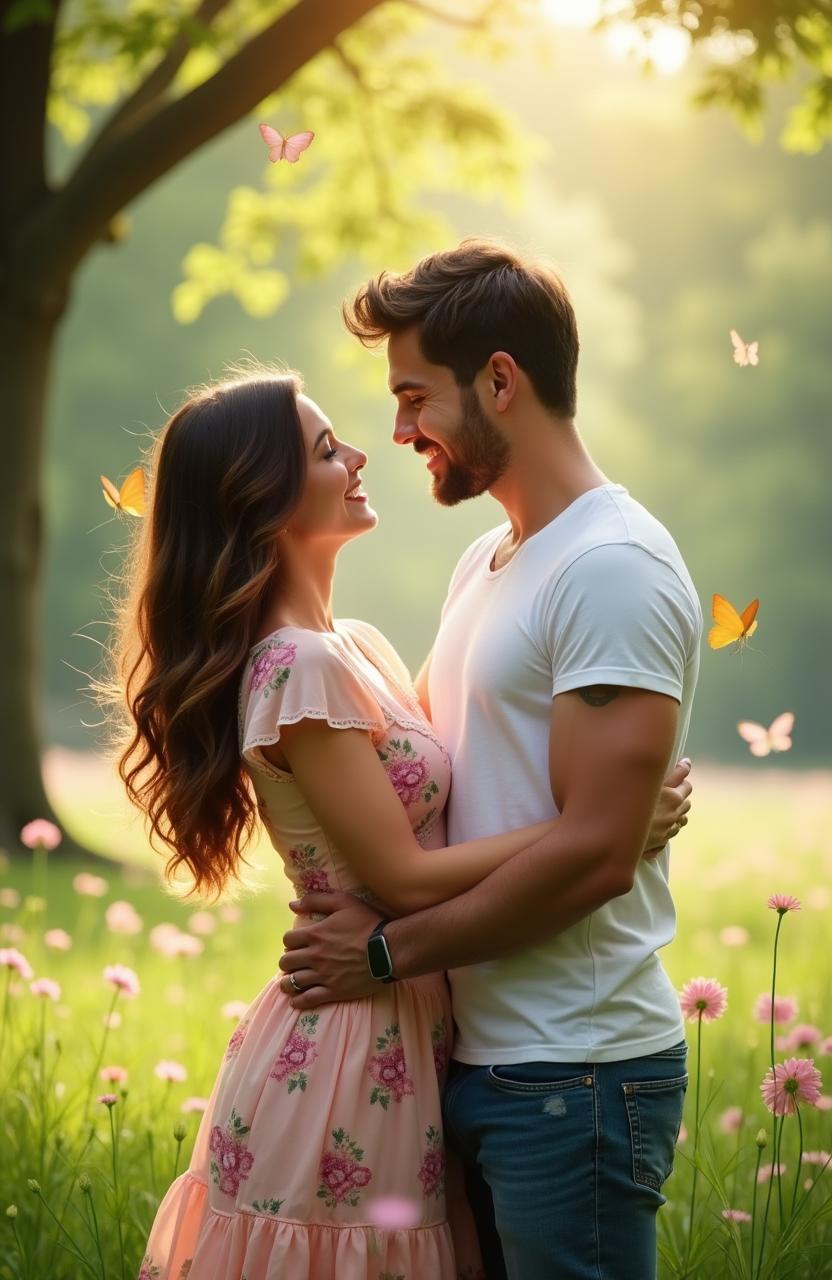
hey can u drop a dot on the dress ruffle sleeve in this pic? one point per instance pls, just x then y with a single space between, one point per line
296 675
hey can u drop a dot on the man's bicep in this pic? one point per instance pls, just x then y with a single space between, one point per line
609 749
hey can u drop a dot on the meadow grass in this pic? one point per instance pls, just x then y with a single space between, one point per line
100 1171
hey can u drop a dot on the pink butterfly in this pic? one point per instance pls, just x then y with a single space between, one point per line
745 353
775 738
281 148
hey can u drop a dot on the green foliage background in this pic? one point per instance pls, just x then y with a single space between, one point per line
670 228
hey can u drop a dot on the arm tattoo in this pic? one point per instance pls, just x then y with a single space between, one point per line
598 695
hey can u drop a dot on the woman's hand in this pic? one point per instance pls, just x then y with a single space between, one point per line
672 808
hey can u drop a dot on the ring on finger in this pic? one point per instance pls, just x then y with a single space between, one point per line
293 983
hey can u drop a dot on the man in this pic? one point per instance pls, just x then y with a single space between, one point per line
561 680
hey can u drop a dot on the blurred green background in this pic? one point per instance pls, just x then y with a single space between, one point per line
670 228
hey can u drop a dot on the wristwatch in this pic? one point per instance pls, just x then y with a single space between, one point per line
378 954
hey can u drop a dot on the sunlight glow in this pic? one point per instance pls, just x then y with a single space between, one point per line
665 48
572 13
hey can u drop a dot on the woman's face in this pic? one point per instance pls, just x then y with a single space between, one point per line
334 506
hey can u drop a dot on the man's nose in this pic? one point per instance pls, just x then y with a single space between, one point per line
404 429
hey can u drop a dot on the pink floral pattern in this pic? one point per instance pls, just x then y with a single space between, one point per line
298 1053
408 772
236 1041
432 1169
389 1070
439 1037
232 1163
311 877
271 667
147 1271
342 1174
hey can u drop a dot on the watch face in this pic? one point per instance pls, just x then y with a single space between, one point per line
378 957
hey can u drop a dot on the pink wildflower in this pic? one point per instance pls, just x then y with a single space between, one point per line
89 886
824 1102
9 898
230 913
793 1081
731 1120
703 997
108 1099
113 1074
817 1157
736 1215
802 1037
234 1009
45 987
785 1008
124 979
57 939
825 1047
11 958
767 1170
173 1072
122 917
194 1104
783 902
734 935
202 923
41 834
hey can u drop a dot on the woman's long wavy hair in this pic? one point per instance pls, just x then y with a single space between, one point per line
226 472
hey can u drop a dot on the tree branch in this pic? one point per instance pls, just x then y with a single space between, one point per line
478 23
130 112
56 240
25 58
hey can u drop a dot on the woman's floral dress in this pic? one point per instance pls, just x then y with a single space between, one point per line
315 1118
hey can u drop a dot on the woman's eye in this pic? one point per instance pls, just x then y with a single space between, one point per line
330 453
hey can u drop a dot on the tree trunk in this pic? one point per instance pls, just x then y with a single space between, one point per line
28 329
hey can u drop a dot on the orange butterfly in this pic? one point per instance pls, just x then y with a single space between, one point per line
281 148
130 497
774 738
745 353
730 625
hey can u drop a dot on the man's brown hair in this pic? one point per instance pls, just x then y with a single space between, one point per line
484 296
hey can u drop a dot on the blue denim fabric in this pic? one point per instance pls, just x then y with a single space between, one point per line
565 1162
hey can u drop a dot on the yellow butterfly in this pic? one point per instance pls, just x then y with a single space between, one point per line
130 497
730 625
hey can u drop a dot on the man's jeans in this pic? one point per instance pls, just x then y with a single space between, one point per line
564 1162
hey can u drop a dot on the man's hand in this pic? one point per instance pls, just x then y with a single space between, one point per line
328 958
671 813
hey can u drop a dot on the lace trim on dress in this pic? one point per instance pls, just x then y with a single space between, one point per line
393 715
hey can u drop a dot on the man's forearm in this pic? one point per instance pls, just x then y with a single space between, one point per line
536 895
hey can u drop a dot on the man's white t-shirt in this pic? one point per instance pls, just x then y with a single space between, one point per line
600 595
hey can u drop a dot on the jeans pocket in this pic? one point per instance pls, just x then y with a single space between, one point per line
533 1078
654 1112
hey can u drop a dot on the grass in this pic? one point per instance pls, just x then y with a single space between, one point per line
100 1176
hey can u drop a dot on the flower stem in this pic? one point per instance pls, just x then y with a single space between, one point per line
114 1147
695 1142
754 1213
24 1261
799 1158
73 1246
100 1057
5 1011
775 1156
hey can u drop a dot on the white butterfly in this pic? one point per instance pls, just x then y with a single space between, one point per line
774 738
745 353
281 148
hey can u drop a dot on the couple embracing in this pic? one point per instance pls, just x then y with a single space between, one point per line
472 1063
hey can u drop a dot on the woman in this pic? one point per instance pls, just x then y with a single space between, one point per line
235 675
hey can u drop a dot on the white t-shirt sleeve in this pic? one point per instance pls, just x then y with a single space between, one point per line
620 615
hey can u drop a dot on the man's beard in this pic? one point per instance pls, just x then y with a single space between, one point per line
481 452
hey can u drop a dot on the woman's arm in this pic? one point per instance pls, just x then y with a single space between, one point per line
349 793
347 789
